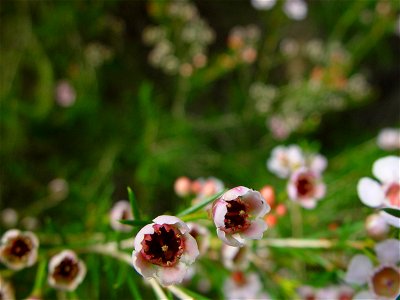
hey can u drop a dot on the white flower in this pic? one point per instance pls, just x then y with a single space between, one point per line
295 9
6 290
121 211
66 271
243 286
235 258
9 217
238 215
306 187
385 193
65 94
389 139
164 250
58 189
18 249
202 236
263 4
284 160
383 280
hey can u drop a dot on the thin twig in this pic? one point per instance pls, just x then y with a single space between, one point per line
157 289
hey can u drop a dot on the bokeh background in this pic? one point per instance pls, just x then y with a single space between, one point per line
110 94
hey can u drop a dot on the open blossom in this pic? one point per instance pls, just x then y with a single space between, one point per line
383 280
284 160
306 188
386 192
202 236
389 139
18 249
121 211
235 258
164 250
238 215
66 271
6 290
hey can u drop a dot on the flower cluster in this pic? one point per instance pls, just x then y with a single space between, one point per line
192 33
243 43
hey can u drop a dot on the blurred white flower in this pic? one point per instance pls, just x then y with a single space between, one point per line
30 223
306 187
238 215
18 249
263 4
243 286
121 210
389 139
284 160
385 193
384 279
235 258
202 236
295 9
58 189
9 217
164 250
65 94
6 290
66 271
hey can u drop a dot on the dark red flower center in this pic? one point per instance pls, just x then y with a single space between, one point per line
19 247
393 194
305 185
239 278
236 217
164 247
66 271
386 282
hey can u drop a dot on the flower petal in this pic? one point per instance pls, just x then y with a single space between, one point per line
388 251
191 249
257 204
359 270
364 295
219 212
392 220
256 230
318 163
172 275
309 203
148 229
387 169
143 267
370 192
232 194
230 239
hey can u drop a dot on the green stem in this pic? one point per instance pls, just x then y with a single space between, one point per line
200 205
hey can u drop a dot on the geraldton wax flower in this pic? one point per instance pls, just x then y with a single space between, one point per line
66 271
18 249
238 215
164 250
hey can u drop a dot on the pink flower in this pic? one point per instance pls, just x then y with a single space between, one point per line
389 139
66 271
235 258
18 249
385 193
164 250
238 215
383 280
306 188
295 9
211 186
182 186
65 94
121 211
285 160
244 286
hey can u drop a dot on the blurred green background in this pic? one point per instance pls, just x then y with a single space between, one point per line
139 121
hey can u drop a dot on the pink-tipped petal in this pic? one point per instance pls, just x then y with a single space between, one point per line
359 270
258 207
144 268
232 194
172 220
308 203
370 192
172 275
318 163
148 229
191 250
388 251
291 190
387 169
320 190
219 211
256 230
229 239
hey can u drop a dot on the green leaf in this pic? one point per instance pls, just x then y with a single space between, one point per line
392 211
135 222
133 288
132 200
200 205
